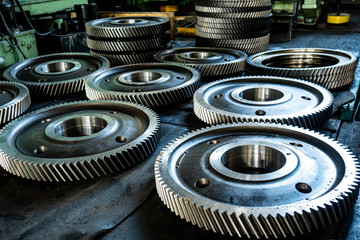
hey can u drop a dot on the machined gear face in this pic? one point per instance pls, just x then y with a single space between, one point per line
152 84
263 99
14 100
257 180
327 67
79 140
126 27
210 62
56 74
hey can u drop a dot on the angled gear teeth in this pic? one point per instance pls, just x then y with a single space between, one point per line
232 10
152 84
125 27
330 68
308 193
56 74
241 15
232 4
211 62
263 99
14 101
33 151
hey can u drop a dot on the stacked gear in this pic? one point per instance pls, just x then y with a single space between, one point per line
14 100
127 40
149 84
56 74
258 181
263 99
326 67
242 25
79 140
211 62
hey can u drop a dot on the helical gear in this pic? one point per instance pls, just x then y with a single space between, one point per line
14 101
211 62
328 67
257 180
56 74
79 140
263 99
151 84
232 4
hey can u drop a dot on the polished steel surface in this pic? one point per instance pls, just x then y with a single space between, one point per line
214 62
327 67
257 180
151 84
263 99
14 100
79 140
56 74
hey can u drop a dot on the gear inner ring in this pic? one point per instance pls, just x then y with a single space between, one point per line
127 21
58 67
201 56
144 77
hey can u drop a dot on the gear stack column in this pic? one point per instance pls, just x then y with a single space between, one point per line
242 25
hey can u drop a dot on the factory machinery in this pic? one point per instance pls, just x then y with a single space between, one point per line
258 170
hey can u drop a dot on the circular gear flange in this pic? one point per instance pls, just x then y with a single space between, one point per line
257 180
79 140
263 99
56 74
210 62
327 67
152 84
14 100
126 27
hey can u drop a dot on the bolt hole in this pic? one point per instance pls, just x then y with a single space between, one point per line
180 78
120 139
107 80
137 90
113 112
2 92
46 120
218 96
260 112
89 69
40 149
202 183
42 80
296 144
306 98
227 60
303 187
213 142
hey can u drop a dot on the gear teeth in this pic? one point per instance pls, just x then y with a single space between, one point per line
259 14
84 169
334 76
208 69
127 46
226 10
227 33
255 21
70 83
104 29
213 116
17 105
298 222
151 99
232 4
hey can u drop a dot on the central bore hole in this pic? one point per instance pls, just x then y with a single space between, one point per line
145 76
200 55
128 21
57 67
80 126
253 159
300 61
261 94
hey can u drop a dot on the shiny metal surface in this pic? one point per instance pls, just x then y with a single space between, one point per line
56 74
257 180
327 67
209 61
79 140
263 99
152 84
14 100
232 3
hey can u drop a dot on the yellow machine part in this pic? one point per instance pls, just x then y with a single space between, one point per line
333 18
169 8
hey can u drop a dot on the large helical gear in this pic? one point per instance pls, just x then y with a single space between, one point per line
211 62
79 140
127 27
257 180
56 74
152 84
232 4
14 100
327 67
263 99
